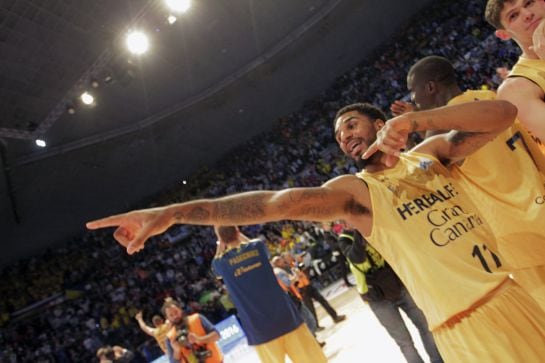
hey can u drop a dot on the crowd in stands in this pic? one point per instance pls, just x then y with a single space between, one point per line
94 289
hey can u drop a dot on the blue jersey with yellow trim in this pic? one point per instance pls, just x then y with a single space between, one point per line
265 310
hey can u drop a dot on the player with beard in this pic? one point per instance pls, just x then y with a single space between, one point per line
415 215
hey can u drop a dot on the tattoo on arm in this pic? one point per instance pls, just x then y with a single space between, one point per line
429 125
305 195
179 217
319 211
246 208
198 214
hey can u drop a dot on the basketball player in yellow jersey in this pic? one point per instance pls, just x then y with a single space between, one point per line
501 177
414 214
522 21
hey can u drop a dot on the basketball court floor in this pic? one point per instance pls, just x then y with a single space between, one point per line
359 338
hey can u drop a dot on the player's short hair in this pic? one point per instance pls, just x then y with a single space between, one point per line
227 234
365 109
492 13
434 68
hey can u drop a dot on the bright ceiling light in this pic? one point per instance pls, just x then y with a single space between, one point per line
40 143
171 19
87 98
179 6
137 42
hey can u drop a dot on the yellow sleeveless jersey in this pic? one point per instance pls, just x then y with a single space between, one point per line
433 236
533 70
505 185
160 334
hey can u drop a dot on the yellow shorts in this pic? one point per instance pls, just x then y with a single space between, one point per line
532 280
298 344
508 328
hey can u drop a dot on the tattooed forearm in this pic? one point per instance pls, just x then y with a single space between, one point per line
318 212
198 214
427 124
249 207
179 217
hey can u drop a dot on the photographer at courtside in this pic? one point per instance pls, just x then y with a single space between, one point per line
192 338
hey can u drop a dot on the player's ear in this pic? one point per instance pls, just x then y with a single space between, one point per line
431 87
378 124
502 34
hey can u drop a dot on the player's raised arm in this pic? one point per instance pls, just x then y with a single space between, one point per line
475 124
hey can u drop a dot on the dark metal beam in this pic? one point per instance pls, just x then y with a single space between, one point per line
9 186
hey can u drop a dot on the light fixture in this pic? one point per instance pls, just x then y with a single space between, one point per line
87 98
94 83
178 6
70 109
137 42
171 19
40 142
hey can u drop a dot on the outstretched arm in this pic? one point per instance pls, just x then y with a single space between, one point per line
475 124
313 204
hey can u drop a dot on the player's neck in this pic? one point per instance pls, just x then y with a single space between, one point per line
529 54
526 51
451 93
234 244
379 163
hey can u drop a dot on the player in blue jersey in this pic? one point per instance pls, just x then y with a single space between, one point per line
269 318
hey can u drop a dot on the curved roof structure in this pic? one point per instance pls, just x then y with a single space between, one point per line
221 74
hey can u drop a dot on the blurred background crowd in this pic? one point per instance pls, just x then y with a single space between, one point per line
63 305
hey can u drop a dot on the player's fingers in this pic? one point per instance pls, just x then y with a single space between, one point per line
391 143
370 151
123 236
138 242
112 221
390 150
393 134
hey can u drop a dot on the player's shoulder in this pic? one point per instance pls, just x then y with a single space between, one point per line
342 182
517 87
253 242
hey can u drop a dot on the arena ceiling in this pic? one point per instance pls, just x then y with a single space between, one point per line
222 73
